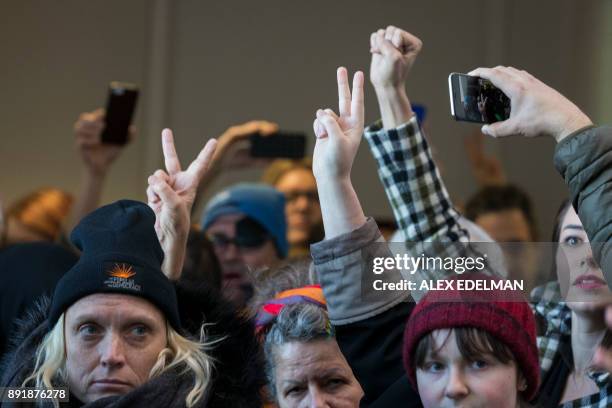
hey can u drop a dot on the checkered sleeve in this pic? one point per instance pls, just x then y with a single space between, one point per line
549 308
418 197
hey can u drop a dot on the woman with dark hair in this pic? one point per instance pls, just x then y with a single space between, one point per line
573 308
472 349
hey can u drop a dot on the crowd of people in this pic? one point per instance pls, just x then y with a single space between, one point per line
266 297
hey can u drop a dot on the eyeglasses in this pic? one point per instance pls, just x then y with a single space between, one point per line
222 242
293 196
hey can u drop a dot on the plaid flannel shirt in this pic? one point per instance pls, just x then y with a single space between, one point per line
424 212
548 304
421 204
418 197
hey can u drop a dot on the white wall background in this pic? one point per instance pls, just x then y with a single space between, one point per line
206 65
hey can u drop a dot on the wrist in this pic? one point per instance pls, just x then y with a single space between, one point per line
574 124
389 90
174 256
329 182
394 105
95 172
340 207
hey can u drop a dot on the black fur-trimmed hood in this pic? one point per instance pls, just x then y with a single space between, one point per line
238 374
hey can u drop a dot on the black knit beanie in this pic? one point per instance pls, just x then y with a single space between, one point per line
120 254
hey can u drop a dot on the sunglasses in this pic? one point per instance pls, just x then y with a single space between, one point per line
249 242
295 195
249 235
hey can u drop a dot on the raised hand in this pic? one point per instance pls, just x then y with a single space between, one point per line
338 136
394 51
171 194
96 155
536 108
233 150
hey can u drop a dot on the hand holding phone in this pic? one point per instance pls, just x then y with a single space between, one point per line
475 99
96 155
537 109
120 107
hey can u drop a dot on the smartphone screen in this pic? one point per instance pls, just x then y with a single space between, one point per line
120 108
290 145
477 100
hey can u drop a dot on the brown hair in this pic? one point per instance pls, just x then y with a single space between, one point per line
500 198
471 342
278 168
42 211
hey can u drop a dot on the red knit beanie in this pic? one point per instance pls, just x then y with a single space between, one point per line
503 314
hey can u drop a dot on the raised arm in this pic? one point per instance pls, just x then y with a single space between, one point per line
412 181
338 138
233 153
583 154
394 51
97 158
343 259
171 195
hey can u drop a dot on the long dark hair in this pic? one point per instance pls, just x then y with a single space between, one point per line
556 234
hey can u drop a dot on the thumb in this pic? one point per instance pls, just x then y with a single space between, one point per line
319 129
386 48
500 129
167 195
329 124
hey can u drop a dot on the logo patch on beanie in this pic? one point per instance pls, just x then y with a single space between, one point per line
120 274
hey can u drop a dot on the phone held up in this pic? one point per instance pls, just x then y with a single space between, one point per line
120 107
289 145
475 99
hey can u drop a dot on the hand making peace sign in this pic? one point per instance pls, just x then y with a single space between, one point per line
171 194
338 137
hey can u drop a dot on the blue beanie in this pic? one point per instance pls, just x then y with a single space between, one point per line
259 202
120 254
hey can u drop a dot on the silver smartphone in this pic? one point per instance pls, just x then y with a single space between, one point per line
474 99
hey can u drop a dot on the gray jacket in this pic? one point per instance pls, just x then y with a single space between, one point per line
584 159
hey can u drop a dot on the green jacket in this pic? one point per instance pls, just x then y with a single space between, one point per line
584 159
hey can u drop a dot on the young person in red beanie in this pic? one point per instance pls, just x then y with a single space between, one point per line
472 349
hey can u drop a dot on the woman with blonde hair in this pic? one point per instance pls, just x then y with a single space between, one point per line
120 331
118 327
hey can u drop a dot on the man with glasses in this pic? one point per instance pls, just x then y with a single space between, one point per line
247 227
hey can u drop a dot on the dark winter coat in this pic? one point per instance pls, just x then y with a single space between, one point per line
238 373
584 159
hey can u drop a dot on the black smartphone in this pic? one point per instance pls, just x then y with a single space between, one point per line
475 99
120 107
289 145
